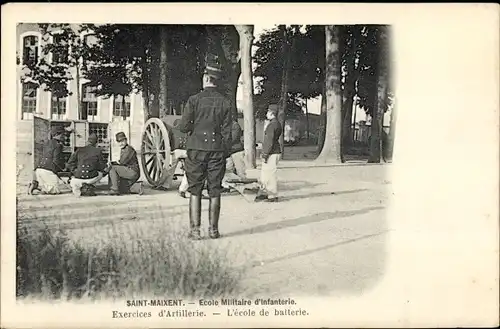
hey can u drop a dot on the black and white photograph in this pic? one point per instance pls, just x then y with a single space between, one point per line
191 143
218 171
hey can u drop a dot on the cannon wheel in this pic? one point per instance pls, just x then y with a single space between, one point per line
155 152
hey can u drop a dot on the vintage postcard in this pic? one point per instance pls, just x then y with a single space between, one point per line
238 165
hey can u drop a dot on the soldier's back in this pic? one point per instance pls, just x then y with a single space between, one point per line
210 111
210 108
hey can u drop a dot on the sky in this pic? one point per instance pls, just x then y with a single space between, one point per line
313 105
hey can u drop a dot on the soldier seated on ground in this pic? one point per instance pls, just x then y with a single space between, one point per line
87 165
45 175
123 174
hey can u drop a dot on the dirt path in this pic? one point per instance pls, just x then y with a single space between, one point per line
327 236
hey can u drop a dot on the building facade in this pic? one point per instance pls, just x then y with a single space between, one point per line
35 100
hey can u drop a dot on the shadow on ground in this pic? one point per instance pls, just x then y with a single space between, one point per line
301 221
319 194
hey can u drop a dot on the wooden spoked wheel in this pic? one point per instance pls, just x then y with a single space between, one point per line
155 152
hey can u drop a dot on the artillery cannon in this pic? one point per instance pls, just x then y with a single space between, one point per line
157 159
156 147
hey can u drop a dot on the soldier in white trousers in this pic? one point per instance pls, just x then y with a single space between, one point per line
271 154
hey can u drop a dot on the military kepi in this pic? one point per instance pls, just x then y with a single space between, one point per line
273 108
57 130
92 138
213 66
120 136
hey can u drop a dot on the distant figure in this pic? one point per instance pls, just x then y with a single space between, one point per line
126 172
45 175
87 165
271 154
207 121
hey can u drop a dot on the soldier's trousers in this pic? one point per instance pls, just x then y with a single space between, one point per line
269 175
77 183
235 168
208 166
236 163
48 181
122 178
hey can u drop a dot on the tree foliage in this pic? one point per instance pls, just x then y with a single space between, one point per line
52 71
360 46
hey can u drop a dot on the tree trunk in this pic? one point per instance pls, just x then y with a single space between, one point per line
350 87
78 97
58 107
284 87
322 121
124 104
163 96
377 121
145 93
378 110
392 134
353 132
246 38
307 122
232 88
331 151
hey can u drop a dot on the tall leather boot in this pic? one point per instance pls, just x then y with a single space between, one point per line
194 217
214 213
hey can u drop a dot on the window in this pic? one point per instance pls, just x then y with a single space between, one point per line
120 108
89 102
30 50
58 108
29 100
90 40
61 50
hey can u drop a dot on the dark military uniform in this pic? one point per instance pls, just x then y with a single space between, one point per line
124 174
52 157
271 153
272 134
86 162
50 164
177 138
207 120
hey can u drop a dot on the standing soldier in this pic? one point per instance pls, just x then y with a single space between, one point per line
45 175
207 121
271 153
87 165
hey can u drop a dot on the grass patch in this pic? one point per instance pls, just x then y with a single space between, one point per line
50 265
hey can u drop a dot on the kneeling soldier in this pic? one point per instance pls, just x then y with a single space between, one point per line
126 172
45 175
87 165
